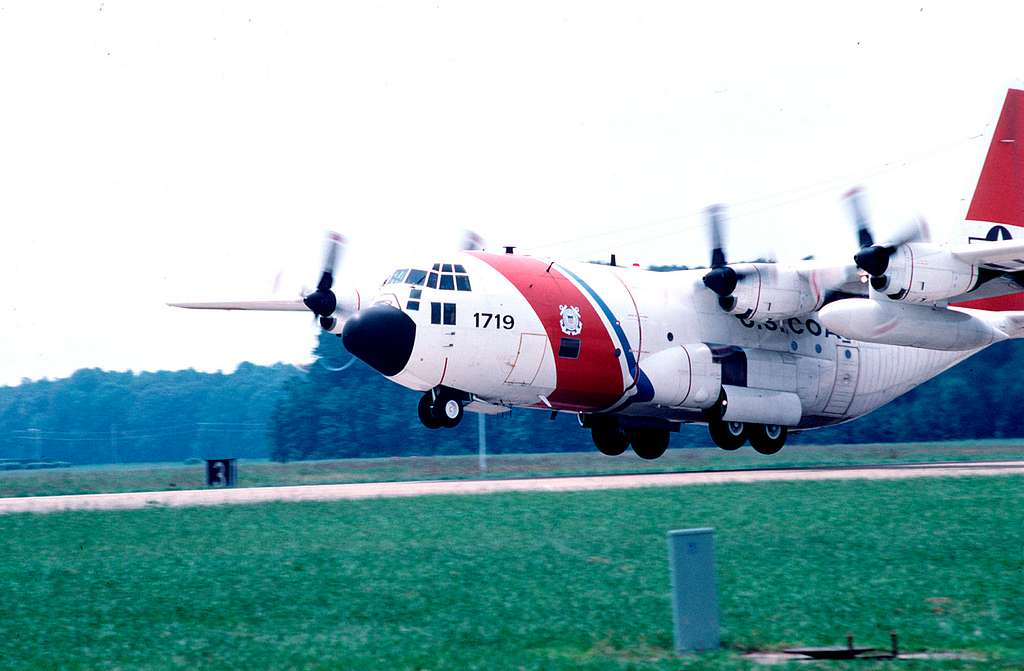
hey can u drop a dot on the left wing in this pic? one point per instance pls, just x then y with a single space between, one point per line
294 305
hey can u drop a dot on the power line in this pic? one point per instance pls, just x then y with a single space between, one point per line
806 191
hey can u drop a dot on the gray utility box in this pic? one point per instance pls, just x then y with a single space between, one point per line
691 554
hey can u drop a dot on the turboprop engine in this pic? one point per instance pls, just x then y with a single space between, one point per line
757 291
911 325
762 291
917 272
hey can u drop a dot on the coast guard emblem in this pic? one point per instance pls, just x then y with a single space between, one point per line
570 322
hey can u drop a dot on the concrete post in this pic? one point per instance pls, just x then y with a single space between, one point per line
691 554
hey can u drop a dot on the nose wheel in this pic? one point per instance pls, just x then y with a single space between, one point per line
440 411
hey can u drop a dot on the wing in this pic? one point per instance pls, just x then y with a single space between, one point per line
294 305
1001 264
1000 255
836 281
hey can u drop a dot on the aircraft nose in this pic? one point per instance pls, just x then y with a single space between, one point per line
382 336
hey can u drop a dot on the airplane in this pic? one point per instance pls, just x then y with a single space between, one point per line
754 351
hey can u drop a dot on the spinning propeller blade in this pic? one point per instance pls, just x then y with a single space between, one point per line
323 302
874 259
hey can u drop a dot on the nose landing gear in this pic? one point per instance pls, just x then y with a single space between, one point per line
439 409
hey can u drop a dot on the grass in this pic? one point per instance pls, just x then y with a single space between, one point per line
517 581
150 477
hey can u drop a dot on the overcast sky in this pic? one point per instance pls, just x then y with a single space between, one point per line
198 150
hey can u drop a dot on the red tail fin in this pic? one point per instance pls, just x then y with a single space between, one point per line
999 197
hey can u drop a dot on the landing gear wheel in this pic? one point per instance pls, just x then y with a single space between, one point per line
728 435
609 439
649 443
425 411
767 438
447 411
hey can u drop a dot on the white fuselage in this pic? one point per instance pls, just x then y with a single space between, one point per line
584 337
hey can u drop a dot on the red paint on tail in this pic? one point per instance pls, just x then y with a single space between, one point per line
999 197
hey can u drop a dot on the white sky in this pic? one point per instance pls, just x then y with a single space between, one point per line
154 151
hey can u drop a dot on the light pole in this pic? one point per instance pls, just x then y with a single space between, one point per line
481 432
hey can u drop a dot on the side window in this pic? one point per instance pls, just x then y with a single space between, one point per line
442 313
416 277
569 348
414 299
432 281
447 282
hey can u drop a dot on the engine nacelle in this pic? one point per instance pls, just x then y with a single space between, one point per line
921 272
765 291
911 325
348 302
684 377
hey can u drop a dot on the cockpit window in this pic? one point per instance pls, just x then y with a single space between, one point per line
449 277
417 277
397 276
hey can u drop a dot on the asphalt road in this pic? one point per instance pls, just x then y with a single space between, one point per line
369 490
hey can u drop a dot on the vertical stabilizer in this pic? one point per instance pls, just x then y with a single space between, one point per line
999 196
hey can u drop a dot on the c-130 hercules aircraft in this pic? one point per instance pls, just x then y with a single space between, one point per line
752 350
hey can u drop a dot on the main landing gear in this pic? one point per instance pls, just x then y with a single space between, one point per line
764 438
439 409
612 440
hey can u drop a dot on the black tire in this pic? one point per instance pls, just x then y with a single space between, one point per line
649 443
426 413
728 435
447 411
767 439
609 440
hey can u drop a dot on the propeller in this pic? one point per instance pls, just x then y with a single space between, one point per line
471 241
721 279
874 259
323 302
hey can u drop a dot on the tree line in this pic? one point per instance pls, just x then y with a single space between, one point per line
339 407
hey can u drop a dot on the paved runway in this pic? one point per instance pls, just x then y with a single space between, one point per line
213 497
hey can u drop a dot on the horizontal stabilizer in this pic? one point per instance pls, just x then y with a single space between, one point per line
294 305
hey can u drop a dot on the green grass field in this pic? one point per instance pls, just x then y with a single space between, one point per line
517 581
148 477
